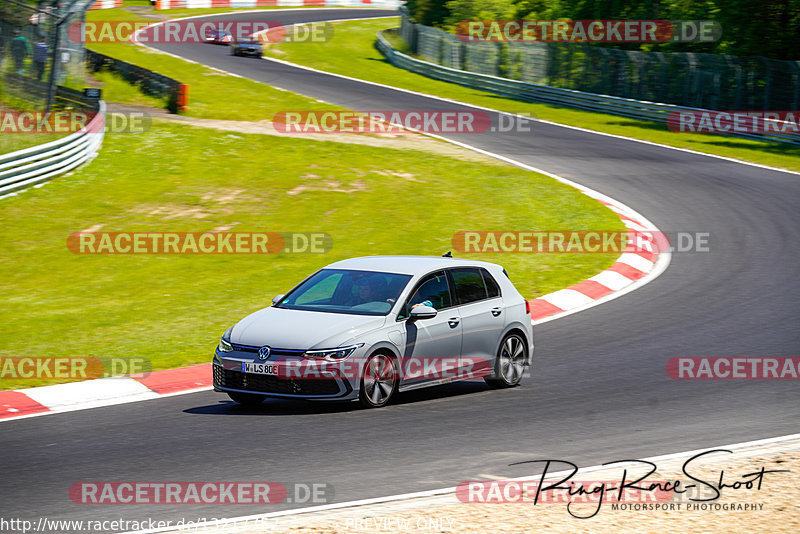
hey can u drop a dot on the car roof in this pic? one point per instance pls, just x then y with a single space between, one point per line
406 264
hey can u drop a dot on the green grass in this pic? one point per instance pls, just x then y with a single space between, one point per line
117 89
10 142
171 309
352 52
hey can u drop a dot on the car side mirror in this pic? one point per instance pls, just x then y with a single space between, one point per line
422 312
277 299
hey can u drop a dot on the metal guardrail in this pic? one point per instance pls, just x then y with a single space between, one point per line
151 83
66 97
530 92
37 164
697 80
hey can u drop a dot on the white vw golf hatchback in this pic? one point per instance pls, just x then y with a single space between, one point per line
366 328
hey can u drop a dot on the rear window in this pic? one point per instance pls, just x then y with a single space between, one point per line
492 289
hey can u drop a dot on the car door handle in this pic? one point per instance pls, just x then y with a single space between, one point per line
497 311
453 321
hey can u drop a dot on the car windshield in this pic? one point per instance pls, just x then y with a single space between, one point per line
345 291
248 40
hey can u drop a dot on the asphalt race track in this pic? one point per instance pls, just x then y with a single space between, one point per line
599 390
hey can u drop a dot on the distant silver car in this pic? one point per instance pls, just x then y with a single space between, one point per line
366 328
246 46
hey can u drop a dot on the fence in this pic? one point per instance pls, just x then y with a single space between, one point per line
34 43
40 67
151 83
37 164
65 97
532 92
708 81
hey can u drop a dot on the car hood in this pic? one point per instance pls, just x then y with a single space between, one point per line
296 329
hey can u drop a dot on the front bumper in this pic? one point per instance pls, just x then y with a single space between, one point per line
228 376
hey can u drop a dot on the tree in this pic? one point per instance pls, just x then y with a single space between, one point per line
428 12
463 10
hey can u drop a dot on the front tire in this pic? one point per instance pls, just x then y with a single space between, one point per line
509 364
379 381
246 399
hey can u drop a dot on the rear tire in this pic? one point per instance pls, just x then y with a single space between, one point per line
509 364
379 381
246 399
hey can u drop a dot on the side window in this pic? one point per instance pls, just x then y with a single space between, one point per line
433 289
492 289
469 285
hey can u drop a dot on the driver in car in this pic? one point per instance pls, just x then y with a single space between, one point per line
366 291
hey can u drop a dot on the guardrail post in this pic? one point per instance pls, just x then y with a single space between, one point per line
183 96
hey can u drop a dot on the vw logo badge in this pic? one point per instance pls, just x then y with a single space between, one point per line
263 352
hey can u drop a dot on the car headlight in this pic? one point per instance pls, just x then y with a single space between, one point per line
333 354
225 341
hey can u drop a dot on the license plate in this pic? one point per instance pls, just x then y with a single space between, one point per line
260 368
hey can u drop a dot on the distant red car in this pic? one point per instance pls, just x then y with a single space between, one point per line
215 36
